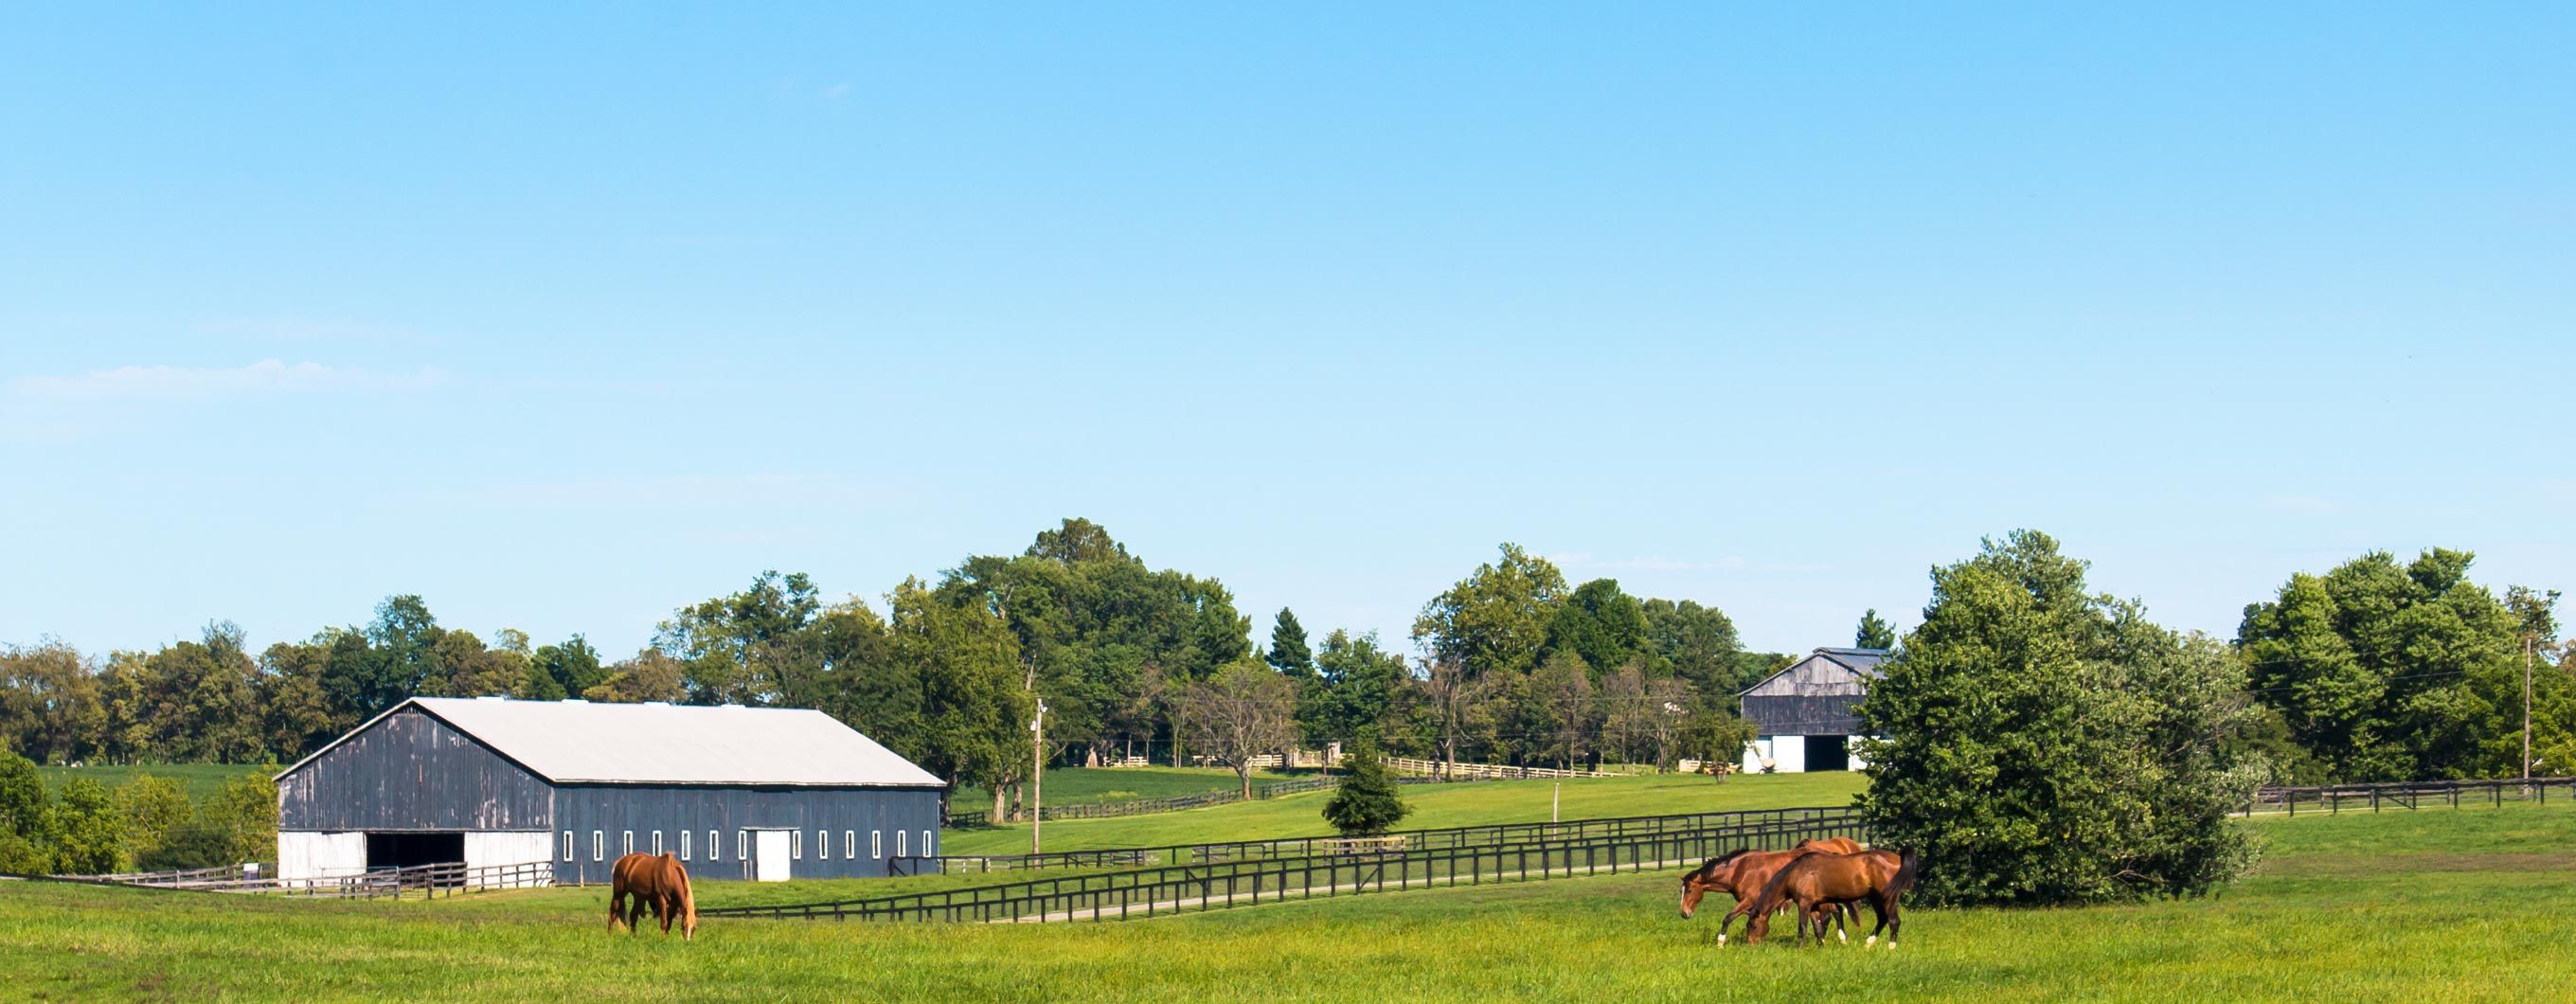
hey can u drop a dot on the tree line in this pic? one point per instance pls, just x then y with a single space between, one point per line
2375 670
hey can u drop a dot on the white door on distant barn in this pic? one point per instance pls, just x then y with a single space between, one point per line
769 855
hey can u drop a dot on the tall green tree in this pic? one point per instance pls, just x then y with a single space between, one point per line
1874 631
1361 689
556 672
1246 710
50 708
1497 617
2389 672
1288 651
749 647
152 807
1698 642
976 703
26 817
1605 627
2044 744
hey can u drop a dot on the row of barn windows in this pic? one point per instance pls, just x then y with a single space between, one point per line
742 839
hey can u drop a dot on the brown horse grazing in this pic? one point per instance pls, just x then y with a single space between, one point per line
657 882
1742 873
1816 881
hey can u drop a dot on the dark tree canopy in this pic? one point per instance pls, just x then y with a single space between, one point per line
1604 626
1288 652
1368 802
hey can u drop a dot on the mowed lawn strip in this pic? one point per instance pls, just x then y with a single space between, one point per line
2475 928
1467 803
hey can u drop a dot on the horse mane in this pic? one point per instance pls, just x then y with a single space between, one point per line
1769 900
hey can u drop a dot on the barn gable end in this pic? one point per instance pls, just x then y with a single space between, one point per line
410 771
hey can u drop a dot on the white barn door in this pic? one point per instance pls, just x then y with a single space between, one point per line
769 859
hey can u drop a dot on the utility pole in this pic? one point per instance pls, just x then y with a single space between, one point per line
2526 711
1037 774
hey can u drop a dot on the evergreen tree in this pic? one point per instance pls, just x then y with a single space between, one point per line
1875 632
1367 803
1288 652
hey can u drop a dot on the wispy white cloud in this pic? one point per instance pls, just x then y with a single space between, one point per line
836 92
267 377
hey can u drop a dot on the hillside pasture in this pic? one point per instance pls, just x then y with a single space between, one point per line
2442 905
200 780
1464 803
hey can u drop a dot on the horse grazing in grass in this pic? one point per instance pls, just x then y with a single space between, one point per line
1742 873
1818 882
658 882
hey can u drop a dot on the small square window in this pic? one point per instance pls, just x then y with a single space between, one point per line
796 844
684 845
742 845
598 845
715 847
567 845
876 844
849 844
899 850
925 845
629 844
822 845
657 843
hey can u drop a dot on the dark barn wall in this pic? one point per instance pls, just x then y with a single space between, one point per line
614 809
1821 715
410 771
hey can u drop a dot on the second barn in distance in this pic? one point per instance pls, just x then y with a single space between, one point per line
1802 715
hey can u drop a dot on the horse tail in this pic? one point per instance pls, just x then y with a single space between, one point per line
688 901
1909 866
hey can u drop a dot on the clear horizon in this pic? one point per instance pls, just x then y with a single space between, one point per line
565 318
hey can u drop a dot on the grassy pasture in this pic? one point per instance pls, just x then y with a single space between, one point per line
1434 806
2436 905
1095 785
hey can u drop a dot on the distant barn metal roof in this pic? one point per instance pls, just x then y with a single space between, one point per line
1823 672
580 742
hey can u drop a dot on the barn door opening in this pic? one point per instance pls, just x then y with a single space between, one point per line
1828 753
403 850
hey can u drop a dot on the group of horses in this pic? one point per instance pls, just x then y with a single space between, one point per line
1825 880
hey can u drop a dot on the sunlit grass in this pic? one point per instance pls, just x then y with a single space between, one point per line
2416 906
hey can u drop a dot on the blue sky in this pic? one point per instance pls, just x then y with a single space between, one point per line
563 318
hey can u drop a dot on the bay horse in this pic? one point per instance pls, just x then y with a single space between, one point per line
1816 882
660 883
1742 873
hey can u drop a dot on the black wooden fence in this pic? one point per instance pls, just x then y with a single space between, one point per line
2407 795
1245 881
1425 839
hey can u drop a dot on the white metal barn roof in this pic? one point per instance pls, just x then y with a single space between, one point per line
579 742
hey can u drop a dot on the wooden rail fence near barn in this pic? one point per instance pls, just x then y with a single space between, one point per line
427 880
2410 795
1285 847
1412 771
1249 881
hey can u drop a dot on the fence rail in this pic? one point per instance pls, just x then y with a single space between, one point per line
1485 771
427 880
1413 771
1424 839
1248 881
2409 795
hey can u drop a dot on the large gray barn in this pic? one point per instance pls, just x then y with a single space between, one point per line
738 793
1802 715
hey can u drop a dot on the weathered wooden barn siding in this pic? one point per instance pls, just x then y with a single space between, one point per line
612 810
410 771
1803 715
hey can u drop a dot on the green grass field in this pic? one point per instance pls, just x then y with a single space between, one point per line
2436 905
200 779
1434 805
1096 785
